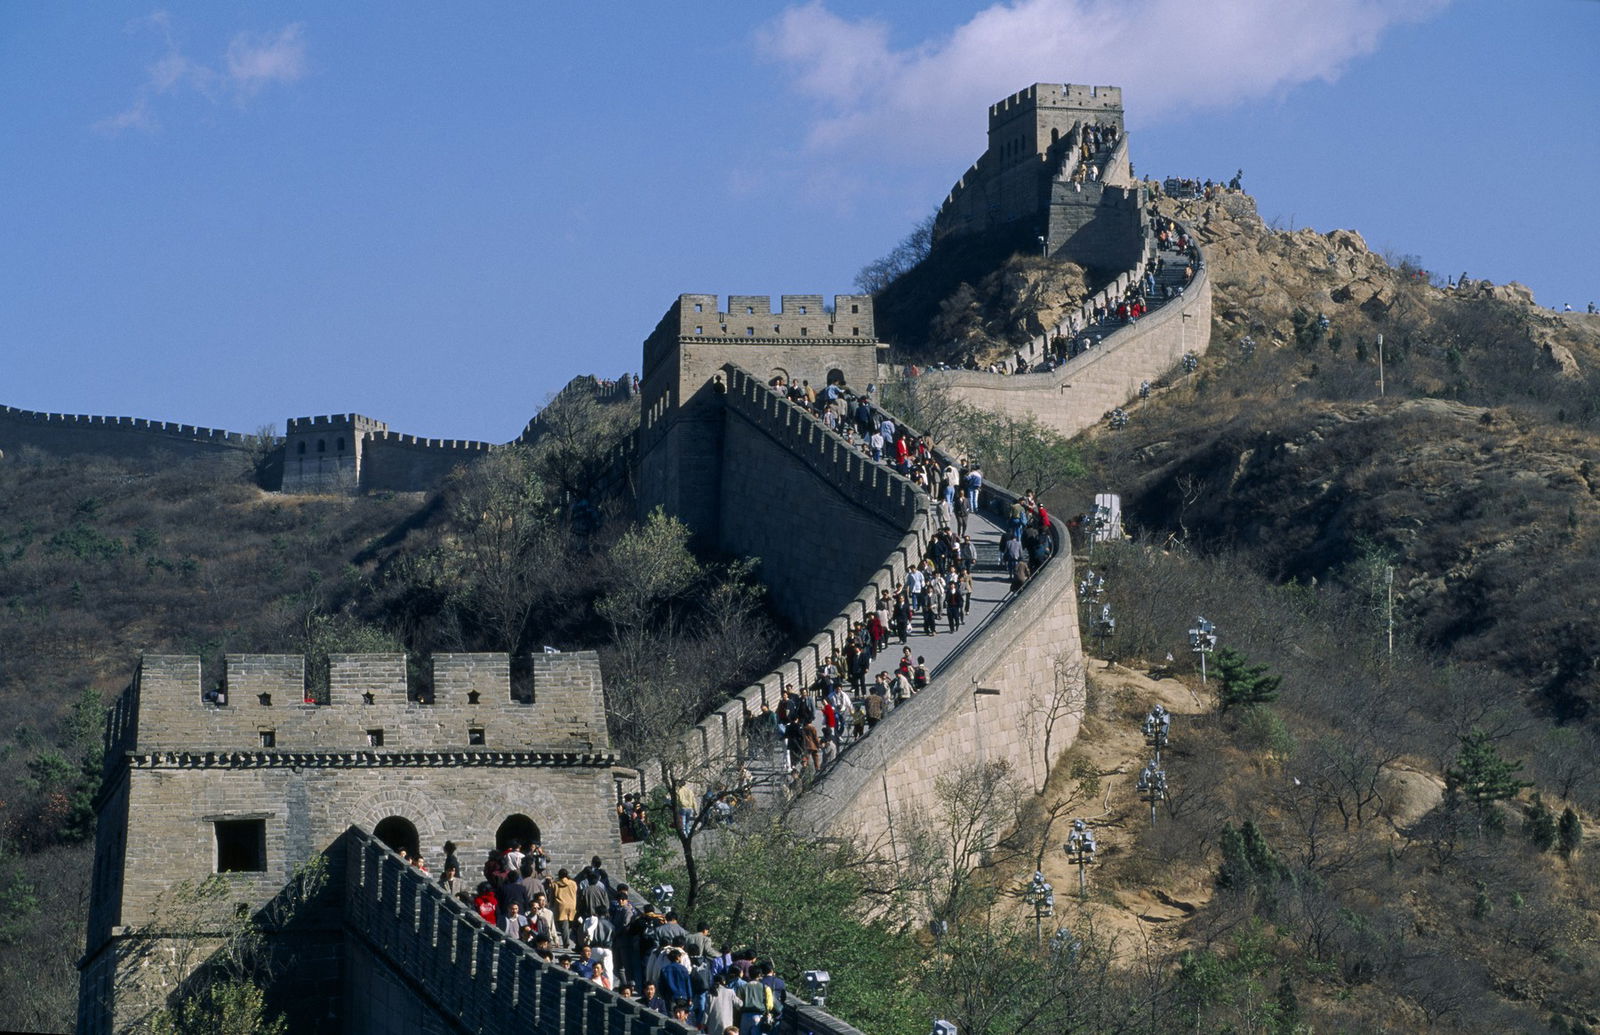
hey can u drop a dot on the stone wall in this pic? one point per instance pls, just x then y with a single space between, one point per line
1014 693
404 463
1077 396
367 692
819 514
420 961
122 438
682 421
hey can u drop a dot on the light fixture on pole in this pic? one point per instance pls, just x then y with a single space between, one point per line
1091 586
1080 849
1157 725
1104 627
1041 895
1203 640
1152 786
816 983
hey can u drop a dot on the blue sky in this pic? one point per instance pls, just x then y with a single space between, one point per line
233 213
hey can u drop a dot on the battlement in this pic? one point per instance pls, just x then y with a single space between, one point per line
335 422
1088 99
376 703
188 432
458 444
797 317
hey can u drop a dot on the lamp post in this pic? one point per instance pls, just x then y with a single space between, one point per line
1090 588
1157 725
1080 849
1041 895
1104 627
1203 640
1152 786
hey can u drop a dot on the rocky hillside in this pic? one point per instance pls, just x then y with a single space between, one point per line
1472 474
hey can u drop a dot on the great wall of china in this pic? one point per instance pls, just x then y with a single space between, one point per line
752 474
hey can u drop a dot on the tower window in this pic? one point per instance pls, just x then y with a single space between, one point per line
699 330
475 736
802 332
302 449
749 332
697 307
855 309
241 845
375 738
802 310
857 332
340 444
749 310
322 445
269 738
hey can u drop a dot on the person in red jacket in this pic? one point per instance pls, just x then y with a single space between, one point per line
487 905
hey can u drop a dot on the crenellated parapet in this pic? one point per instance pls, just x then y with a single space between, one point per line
461 703
1040 138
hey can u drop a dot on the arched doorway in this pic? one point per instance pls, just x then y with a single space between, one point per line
836 376
516 828
399 834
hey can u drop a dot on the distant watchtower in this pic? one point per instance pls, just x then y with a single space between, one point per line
246 779
1056 169
324 454
803 340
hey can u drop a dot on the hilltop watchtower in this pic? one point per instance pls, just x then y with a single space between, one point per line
245 779
1057 170
804 340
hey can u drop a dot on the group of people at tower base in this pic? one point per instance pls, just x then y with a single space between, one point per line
600 930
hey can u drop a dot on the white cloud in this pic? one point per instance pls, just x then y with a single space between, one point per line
252 63
255 62
1167 55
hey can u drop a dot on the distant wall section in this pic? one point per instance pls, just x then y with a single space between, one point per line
1075 397
123 438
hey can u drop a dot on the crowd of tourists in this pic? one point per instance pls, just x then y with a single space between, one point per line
858 684
600 930
1155 286
1183 188
1093 138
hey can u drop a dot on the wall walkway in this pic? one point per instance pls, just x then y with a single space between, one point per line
1026 656
1076 396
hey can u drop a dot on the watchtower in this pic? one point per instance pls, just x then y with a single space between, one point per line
323 454
803 341
1056 171
246 779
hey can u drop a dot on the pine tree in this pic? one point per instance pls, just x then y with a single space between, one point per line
1480 775
1241 683
1540 826
1569 833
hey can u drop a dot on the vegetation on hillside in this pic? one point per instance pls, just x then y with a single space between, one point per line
103 561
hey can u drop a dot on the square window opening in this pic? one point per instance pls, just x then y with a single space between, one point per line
375 738
269 738
241 845
475 736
